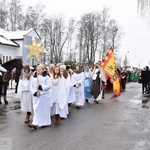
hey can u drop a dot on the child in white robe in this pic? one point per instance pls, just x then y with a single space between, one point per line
41 90
59 95
24 93
67 76
71 97
78 82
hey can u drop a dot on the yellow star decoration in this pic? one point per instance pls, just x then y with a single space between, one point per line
35 49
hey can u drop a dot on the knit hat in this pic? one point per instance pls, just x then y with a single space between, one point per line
63 67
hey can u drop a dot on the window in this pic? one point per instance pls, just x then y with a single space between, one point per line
3 59
6 58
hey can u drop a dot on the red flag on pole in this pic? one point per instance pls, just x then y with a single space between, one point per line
109 65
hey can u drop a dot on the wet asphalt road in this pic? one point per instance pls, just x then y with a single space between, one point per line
116 123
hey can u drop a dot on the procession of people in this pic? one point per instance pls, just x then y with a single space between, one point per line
49 92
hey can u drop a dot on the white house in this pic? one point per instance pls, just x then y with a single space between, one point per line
12 45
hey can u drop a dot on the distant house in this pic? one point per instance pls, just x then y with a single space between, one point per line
12 45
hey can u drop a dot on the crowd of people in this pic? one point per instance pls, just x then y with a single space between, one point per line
50 91
144 78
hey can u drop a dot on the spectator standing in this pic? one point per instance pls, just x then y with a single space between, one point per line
123 76
144 79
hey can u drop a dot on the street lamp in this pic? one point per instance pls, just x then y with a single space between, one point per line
126 60
140 64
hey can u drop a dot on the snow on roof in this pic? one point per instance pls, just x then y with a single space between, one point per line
6 41
7 37
18 34
3 33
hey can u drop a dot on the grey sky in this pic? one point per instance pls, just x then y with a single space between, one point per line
137 31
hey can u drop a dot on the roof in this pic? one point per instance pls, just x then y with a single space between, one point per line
4 40
8 37
18 35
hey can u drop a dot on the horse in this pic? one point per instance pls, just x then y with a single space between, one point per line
9 66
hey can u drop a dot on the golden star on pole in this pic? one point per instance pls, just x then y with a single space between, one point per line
35 49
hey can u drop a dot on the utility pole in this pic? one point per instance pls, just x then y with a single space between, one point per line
115 29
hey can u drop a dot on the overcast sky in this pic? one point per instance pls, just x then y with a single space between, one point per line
137 31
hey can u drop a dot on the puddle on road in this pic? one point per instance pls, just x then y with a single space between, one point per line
16 102
143 102
135 101
15 107
11 106
140 145
3 112
5 109
144 106
146 95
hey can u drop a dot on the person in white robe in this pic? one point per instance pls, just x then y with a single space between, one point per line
71 97
51 68
78 82
59 96
24 93
41 90
69 85
65 74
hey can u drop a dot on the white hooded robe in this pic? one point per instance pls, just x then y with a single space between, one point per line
59 96
24 95
78 78
43 103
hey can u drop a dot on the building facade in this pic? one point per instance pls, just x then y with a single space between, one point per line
12 45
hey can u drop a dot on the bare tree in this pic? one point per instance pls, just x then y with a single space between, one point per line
94 32
46 29
56 36
34 17
87 37
61 37
15 11
143 7
70 42
109 32
115 34
105 19
97 32
3 14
